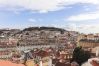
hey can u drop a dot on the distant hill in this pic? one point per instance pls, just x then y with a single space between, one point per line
44 28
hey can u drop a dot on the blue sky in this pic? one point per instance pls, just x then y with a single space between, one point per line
77 15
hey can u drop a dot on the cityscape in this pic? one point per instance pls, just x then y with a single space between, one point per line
45 46
49 32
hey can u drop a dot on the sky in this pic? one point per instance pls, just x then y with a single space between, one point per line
76 15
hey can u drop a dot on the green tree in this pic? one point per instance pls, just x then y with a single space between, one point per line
80 56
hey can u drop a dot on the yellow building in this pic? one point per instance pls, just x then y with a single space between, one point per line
86 44
30 63
46 61
88 41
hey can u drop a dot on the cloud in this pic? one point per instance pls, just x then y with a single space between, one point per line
84 16
86 8
32 20
89 28
82 28
42 6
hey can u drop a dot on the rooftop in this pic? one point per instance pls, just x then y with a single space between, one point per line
8 63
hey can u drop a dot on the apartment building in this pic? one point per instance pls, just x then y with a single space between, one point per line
88 41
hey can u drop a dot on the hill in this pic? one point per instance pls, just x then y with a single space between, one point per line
44 28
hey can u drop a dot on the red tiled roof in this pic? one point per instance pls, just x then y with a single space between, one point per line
8 63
